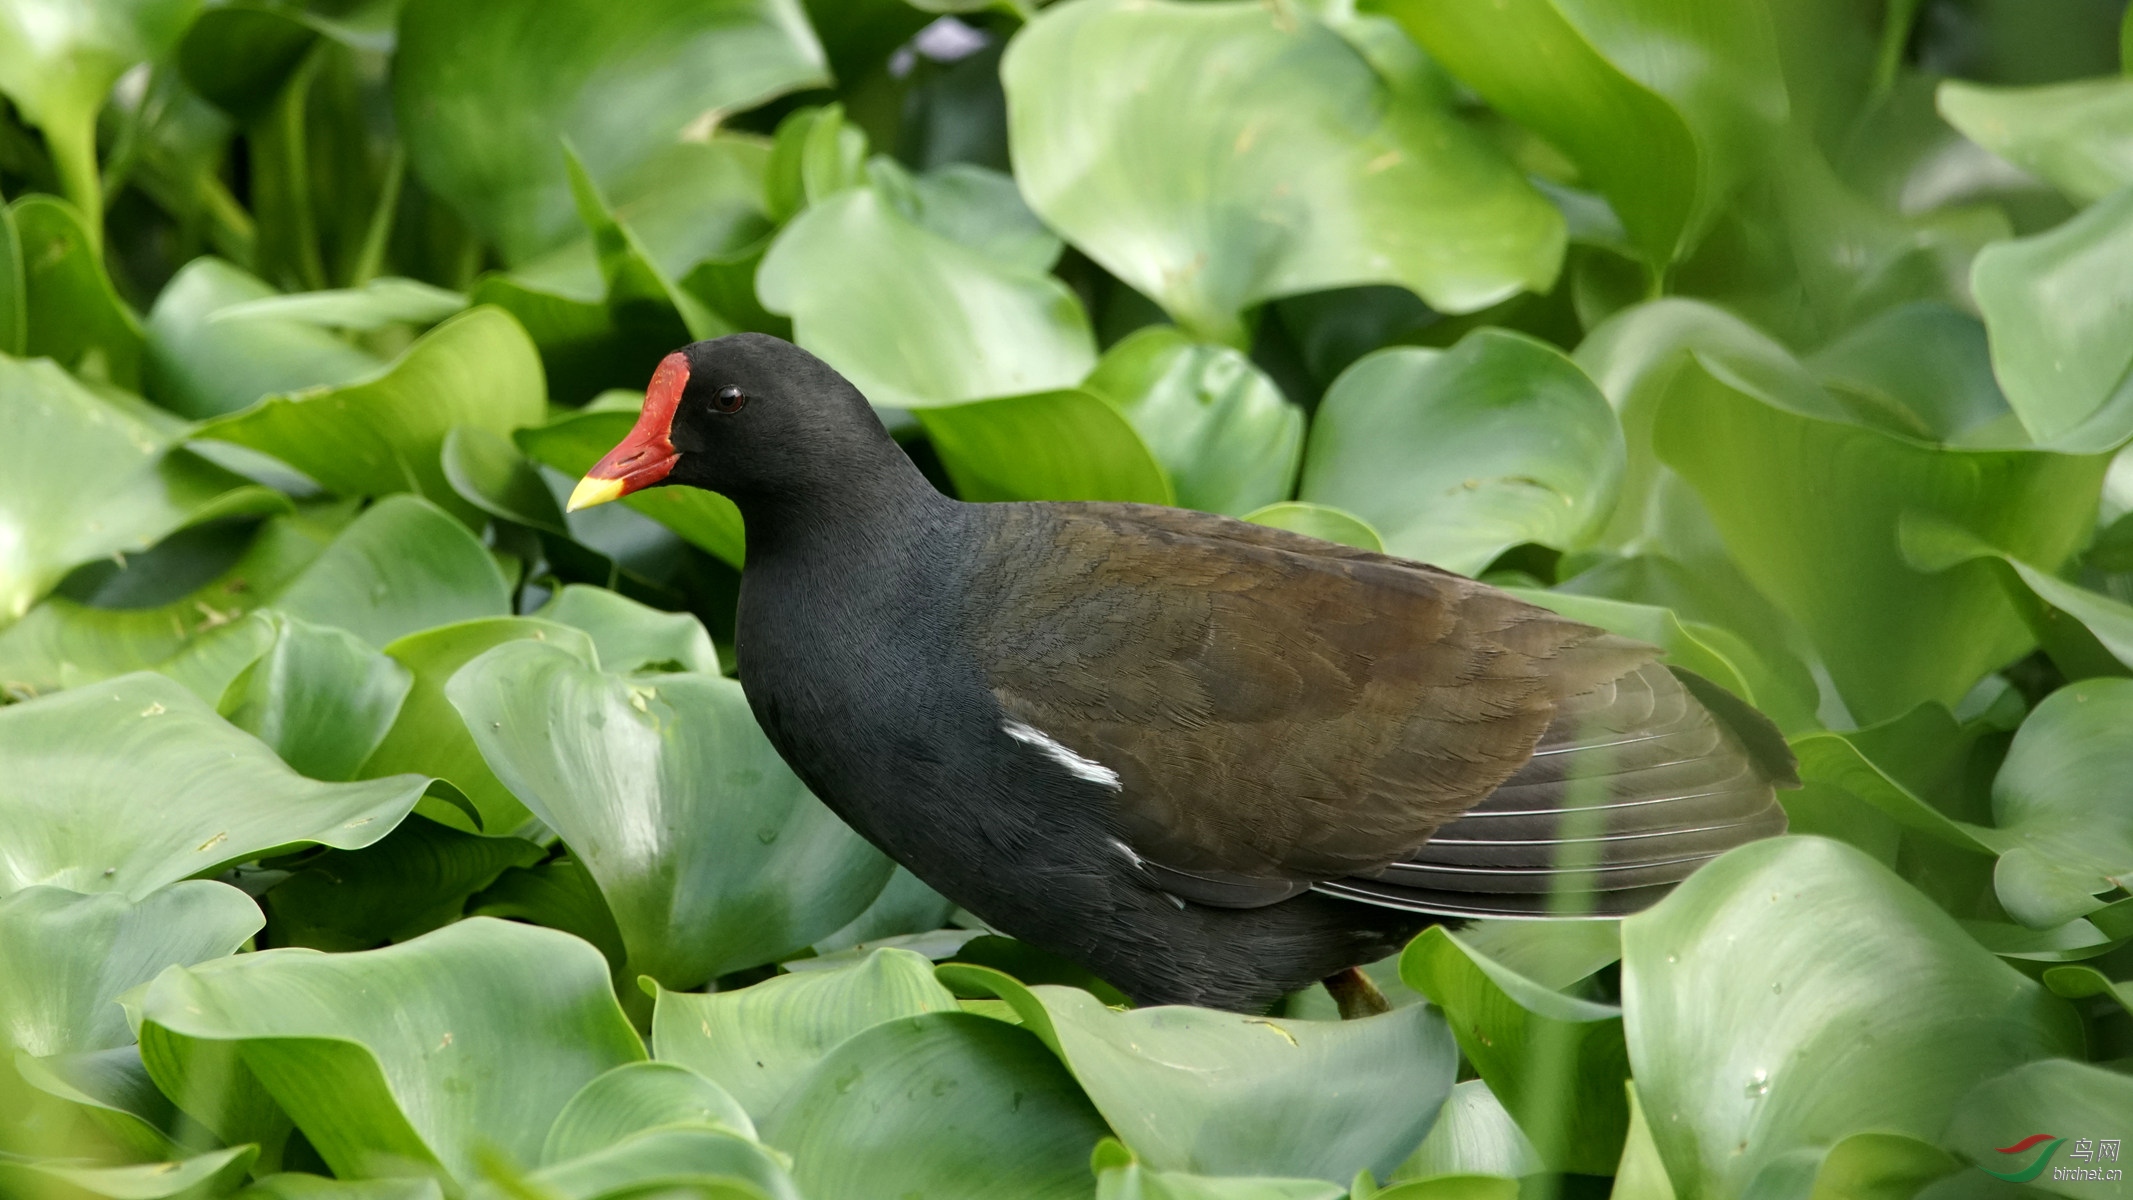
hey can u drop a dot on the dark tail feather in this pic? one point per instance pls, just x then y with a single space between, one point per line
1634 786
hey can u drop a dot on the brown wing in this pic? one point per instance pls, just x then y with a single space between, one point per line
1278 711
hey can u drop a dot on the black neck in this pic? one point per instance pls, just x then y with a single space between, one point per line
874 498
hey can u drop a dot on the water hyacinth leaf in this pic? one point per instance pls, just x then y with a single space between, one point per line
414 1058
1553 954
82 478
2060 315
1215 1093
1764 978
80 761
1289 165
294 1185
1657 626
1450 1187
403 566
617 86
1228 439
112 1090
2086 633
200 366
635 1097
630 636
1322 521
491 474
760 1042
712 854
65 957
414 880
1474 1135
318 697
848 269
212 1173
1663 107
1455 456
1069 445
1633 357
1132 1181
74 317
383 435
202 638
2079 983
2058 800
2077 136
1838 761
1811 508
2081 1099
572 444
14 289
375 305
559 894
715 1164
60 61
945 1104
1556 1063
971 205
430 738
906 907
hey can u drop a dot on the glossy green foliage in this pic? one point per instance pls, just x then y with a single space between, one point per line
371 828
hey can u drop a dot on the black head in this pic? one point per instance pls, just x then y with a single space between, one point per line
749 415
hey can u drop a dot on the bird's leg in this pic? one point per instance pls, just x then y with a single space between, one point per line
1356 995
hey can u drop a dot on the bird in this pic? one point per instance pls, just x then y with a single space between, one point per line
1213 762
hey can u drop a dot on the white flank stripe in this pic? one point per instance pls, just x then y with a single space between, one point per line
1077 766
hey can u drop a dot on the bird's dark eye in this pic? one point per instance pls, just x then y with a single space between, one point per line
728 399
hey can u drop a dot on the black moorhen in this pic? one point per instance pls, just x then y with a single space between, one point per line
1211 761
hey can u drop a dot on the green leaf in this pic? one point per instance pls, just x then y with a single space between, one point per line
2085 1101
635 1097
64 642
2059 310
711 1163
491 474
414 1058
1764 1021
1556 1063
617 85
760 1042
630 636
973 206
906 907
1320 521
2080 983
74 316
65 957
401 567
200 365
712 854
80 764
1192 1089
945 1105
82 477
291 1185
414 880
1214 156
1664 105
320 698
1473 1135
1225 435
212 1173
852 269
1456 456
2076 136
572 444
373 306
1811 507
430 738
1069 445
2086 633
2059 799
559 894
1132 1181
384 434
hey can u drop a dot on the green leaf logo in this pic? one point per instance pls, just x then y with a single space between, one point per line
2036 1166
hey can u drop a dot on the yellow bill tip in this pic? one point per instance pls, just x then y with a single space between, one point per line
591 491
